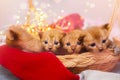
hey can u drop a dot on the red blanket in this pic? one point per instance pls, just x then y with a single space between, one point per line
34 66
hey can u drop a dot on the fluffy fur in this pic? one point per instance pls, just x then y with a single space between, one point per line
72 42
20 38
96 39
51 40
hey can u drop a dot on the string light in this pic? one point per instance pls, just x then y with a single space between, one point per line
17 17
38 17
17 22
59 17
62 11
89 5
35 17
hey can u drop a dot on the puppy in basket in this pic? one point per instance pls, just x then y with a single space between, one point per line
20 38
85 75
96 39
51 40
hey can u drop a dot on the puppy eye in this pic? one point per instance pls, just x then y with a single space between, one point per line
68 44
46 42
79 43
56 43
93 44
103 41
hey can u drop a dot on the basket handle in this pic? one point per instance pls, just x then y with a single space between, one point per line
114 16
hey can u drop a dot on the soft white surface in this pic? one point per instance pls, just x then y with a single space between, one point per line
98 75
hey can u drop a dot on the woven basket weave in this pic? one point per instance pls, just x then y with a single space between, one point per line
104 61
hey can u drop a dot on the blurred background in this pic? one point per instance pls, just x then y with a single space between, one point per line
96 11
93 11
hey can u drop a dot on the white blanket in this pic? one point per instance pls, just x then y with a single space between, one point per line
98 75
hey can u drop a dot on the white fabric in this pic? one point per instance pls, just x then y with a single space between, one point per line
98 75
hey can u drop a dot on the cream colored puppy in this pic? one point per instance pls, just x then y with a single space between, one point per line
20 38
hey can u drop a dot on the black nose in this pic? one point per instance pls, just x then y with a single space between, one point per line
100 49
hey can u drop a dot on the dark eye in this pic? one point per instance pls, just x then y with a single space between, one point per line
93 44
103 41
46 42
56 43
78 43
68 44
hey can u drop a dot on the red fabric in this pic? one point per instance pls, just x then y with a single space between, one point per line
70 22
31 66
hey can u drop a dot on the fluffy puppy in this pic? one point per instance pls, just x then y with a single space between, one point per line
20 38
72 42
96 38
51 40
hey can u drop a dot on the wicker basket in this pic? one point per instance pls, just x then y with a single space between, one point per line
116 41
76 63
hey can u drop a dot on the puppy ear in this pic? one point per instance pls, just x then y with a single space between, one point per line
81 38
61 33
105 26
64 34
11 35
15 32
40 34
82 35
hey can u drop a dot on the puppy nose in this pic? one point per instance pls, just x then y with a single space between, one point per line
100 49
50 48
73 49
